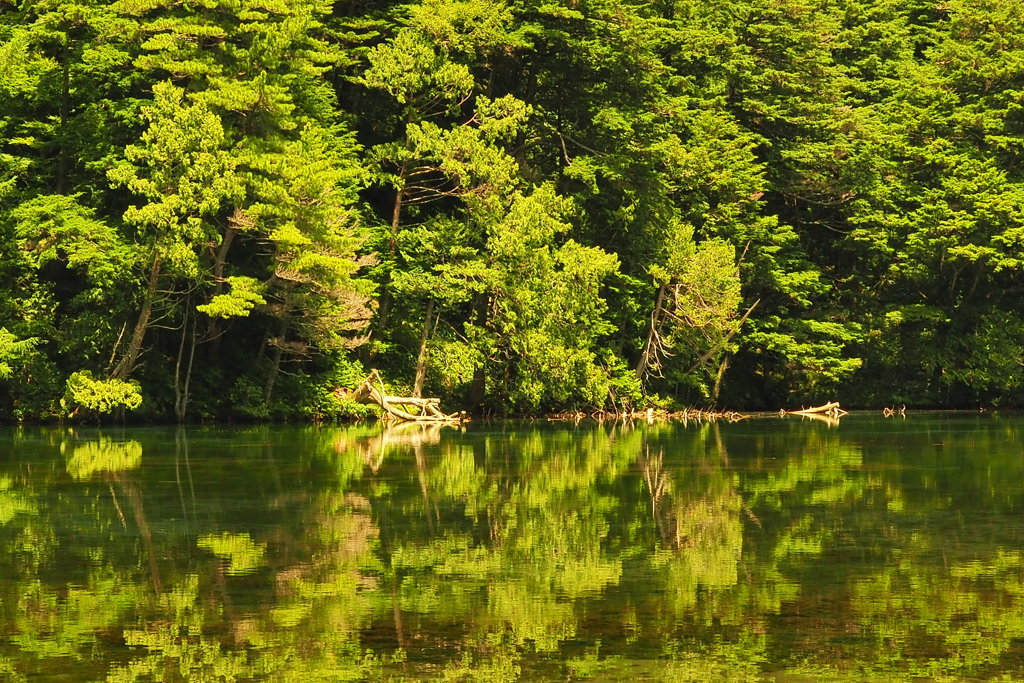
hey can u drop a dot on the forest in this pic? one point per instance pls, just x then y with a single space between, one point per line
231 209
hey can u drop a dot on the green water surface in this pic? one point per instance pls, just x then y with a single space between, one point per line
768 549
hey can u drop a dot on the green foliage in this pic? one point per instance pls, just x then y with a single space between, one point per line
548 312
695 317
100 395
182 168
246 399
521 207
12 350
323 394
74 272
244 295
58 228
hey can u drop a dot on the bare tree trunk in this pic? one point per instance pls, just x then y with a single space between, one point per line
421 358
478 388
126 365
722 367
181 393
219 258
643 366
396 210
371 390
275 367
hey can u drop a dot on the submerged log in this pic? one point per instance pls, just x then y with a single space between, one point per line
398 406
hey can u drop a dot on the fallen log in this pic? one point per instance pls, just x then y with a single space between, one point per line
831 409
396 406
820 409
413 401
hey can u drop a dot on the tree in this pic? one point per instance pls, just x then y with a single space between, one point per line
545 312
187 175
278 170
695 313
12 350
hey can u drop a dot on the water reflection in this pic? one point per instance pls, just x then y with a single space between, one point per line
872 550
101 455
240 553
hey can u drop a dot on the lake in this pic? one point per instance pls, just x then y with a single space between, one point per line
781 549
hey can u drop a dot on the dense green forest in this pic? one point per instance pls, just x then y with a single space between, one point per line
229 208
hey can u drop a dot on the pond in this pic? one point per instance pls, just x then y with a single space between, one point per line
767 549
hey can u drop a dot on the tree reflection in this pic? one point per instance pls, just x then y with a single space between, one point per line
543 552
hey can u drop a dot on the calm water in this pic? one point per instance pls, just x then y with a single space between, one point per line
770 549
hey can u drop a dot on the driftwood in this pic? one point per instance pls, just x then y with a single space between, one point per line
650 415
830 409
371 390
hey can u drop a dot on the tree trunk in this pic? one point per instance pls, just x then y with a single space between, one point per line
396 210
421 358
385 300
384 307
219 258
126 365
643 366
181 393
830 408
722 367
275 367
478 388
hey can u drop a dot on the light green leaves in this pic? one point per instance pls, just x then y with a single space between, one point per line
696 311
184 171
12 350
415 74
244 295
59 228
100 395
548 308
